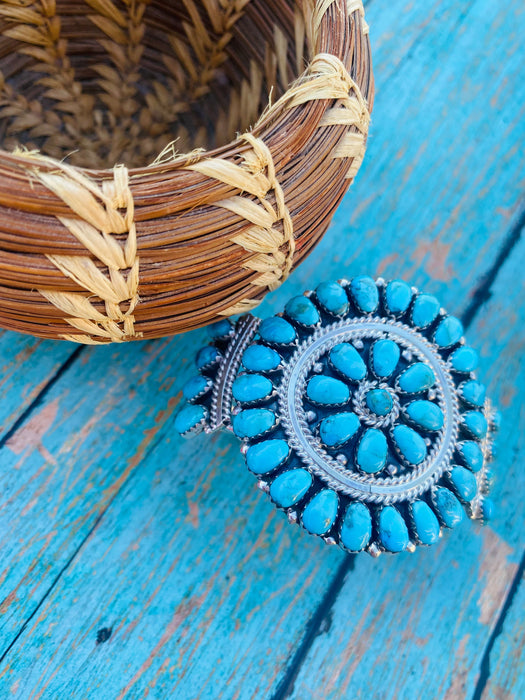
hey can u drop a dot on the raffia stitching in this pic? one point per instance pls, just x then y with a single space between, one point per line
357 6
273 248
102 212
327 78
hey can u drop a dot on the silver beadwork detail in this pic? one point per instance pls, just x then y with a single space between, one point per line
221 401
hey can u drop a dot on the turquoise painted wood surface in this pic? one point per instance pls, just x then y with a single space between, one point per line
136 565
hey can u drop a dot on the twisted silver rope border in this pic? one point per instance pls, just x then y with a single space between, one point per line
293 418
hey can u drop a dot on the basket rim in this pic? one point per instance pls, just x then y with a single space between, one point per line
226 150
197 259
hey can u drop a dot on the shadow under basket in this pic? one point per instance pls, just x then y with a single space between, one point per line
165 164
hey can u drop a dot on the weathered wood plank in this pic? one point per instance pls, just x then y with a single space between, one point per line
65 463
26 366
423 621
444 176
180 625
145 574
507 660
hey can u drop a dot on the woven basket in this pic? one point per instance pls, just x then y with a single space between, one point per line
259 110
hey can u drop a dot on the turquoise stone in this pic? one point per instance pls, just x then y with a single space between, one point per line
425 522
364 293
320 514
488 509
189 417
266 456
195 387
372 451
398 296
476 423
410 444
393 531
302 310
338 428
471 454
207 356
221 329
425 414
332 298
253 422
425 310
473 392
327 391
418 377
448 332
289 487
251 387
259 358
385 356
464 359
356 528
448 507
345 358
464 483
277 330
379 401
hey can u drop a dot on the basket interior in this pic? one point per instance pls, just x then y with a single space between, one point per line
121 81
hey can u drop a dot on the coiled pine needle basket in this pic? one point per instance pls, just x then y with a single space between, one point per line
167 163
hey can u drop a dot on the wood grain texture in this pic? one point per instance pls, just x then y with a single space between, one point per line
110 523
26 367
453 113
66 461
506 680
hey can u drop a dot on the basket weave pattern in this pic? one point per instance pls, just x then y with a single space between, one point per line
169 242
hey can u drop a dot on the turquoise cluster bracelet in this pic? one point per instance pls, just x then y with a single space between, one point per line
359 412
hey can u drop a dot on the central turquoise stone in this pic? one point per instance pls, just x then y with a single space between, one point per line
379 401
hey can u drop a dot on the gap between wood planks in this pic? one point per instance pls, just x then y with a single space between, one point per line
41 396
484 673
320 620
